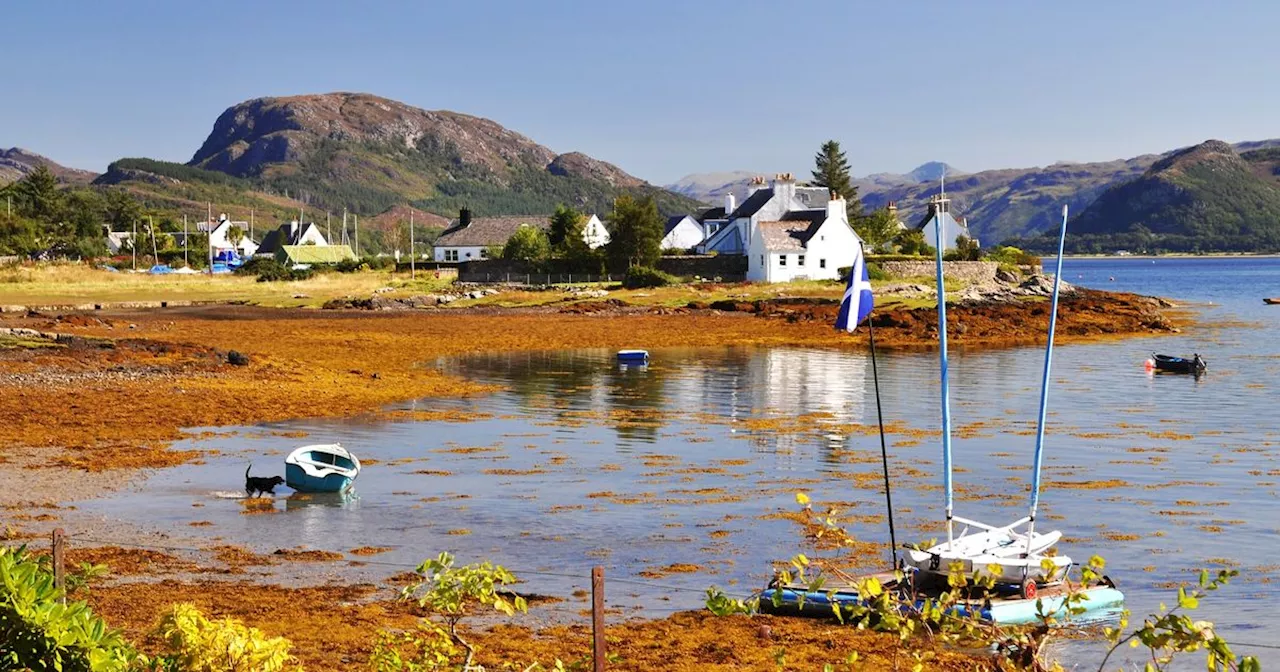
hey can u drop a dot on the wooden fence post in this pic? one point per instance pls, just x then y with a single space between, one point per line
597 619
59 563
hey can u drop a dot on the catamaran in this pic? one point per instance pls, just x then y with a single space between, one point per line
1019 554
1021 557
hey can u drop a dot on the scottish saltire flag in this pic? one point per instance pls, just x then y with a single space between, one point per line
857 302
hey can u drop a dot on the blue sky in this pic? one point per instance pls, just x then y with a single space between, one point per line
664 88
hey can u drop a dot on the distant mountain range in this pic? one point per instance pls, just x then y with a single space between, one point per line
17 162
268 158
1000 204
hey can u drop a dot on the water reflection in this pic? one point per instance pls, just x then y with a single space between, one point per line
828 386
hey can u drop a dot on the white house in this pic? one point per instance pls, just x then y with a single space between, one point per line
118 240
802 245
593 233
218 236
940 215
681 232
733 235
469 239
292 233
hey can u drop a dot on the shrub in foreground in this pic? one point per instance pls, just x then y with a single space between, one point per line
642 276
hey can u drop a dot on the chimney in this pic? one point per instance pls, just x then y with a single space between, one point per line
892 207
464 217
730 204
756 184
222 217
293 232
836 208
784 185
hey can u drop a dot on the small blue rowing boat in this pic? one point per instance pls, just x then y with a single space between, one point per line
321 468
633 357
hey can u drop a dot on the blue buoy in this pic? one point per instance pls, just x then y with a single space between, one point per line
633 357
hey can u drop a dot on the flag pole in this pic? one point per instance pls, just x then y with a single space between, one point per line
884 451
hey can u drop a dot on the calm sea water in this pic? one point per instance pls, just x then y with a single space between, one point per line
687 463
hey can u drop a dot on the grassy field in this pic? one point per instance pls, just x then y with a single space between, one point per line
70 284
59 284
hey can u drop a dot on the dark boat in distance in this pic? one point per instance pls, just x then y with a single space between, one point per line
1171 364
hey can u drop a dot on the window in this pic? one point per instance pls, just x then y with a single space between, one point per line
822 263
762 260
484 254
450 255
800 260
782 260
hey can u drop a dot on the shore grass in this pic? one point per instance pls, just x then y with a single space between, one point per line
74 284
69 284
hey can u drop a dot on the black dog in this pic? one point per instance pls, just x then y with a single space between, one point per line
260 485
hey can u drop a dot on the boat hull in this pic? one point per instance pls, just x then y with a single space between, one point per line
1101 603
299 480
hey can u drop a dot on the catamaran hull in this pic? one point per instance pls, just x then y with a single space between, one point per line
1101 603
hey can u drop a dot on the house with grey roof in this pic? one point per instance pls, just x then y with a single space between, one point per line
939 215
291 233
681 232
470 238
763 203
804 244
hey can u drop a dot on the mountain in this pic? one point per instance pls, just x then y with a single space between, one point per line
1204 198
1012 202
369 154
711 187
17 162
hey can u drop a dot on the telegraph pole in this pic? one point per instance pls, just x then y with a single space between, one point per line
185 261
413 268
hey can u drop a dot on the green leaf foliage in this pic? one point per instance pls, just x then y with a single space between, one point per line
39 633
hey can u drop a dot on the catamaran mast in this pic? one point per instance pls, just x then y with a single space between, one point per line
1044 386
942 357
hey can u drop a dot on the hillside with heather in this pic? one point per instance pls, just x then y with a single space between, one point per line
368 154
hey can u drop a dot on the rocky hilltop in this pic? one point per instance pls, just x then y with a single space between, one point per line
367 153
16 162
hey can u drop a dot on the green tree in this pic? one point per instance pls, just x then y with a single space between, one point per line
636 230
966 250
37 196
235 234
122 210
566 225
831 170
529 243
876 229
911 241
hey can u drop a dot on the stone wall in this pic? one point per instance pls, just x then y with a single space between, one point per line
727 267
975 272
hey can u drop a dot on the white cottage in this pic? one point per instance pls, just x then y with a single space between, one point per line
681 232
469 239
293 233
218 240
593 232
940 215
802 245
733 234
